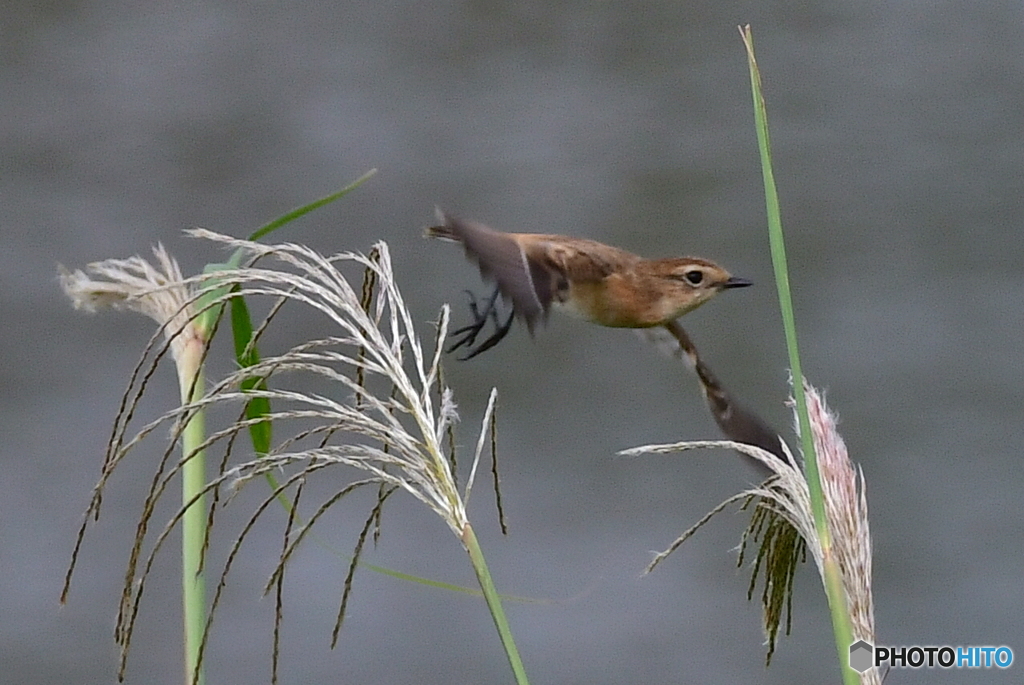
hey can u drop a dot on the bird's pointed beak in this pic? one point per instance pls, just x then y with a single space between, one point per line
736 282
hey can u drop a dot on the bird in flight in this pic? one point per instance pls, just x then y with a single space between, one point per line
593 281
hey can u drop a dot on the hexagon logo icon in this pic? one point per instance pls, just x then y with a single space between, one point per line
861 653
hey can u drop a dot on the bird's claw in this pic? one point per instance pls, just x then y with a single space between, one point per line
470 332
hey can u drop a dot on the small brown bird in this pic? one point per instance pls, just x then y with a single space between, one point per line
591 280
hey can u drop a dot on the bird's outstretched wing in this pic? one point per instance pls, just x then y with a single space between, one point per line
524 282
530 271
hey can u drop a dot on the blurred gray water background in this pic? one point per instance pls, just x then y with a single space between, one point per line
897 132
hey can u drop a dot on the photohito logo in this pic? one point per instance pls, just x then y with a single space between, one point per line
864 655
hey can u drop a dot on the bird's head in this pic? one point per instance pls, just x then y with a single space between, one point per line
689 282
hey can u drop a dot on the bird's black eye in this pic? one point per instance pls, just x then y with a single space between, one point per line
694 276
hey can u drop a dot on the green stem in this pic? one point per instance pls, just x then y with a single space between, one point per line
193 479
833 578
476 557
841 626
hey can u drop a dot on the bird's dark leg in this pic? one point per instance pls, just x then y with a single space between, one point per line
470 332
499 333
480 317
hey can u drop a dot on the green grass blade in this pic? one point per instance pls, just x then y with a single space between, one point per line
778 250
493 599
210 317
246 352
306 209
247 355
836 595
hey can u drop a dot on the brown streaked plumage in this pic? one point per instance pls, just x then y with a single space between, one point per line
597 282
